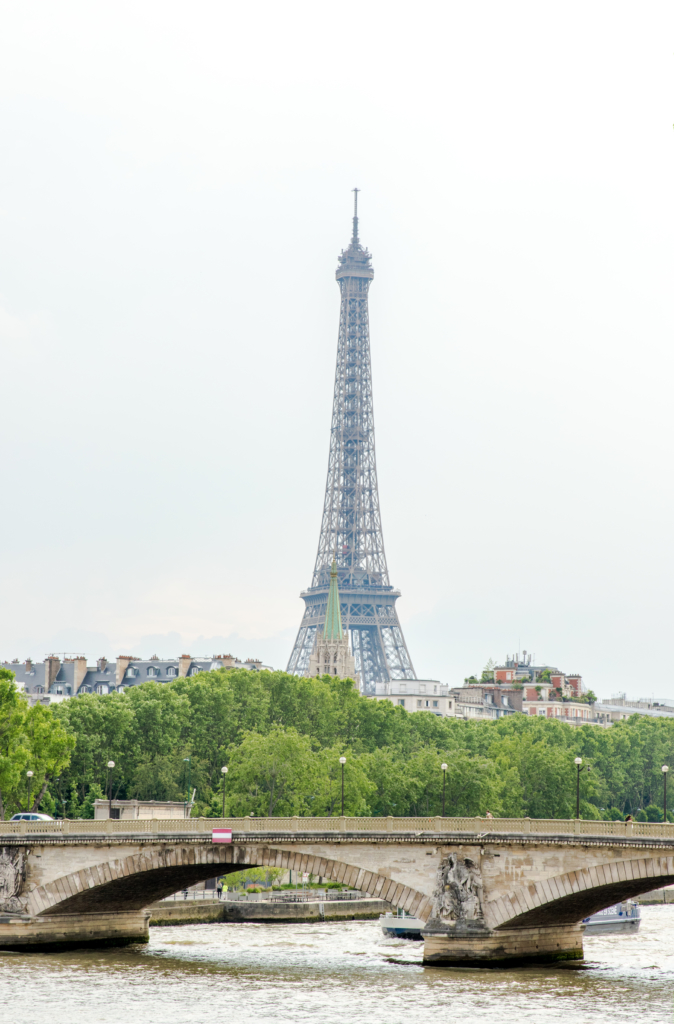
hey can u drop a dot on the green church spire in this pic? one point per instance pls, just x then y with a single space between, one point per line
333 616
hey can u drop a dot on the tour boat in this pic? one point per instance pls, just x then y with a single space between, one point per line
401 925
622 917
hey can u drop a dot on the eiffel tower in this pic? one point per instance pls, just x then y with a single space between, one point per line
351 530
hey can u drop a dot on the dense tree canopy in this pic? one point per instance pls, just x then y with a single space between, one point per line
282 738
33 740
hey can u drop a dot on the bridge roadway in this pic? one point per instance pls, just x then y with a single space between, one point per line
489 891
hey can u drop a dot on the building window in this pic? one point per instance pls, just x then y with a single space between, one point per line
401 703
151 671
171 671
59 690
435 689
195 671
541 711
38 689
435 703
418 703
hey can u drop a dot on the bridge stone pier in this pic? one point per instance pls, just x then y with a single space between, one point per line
489 893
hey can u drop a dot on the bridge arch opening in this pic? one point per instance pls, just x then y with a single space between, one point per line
570 897
134 882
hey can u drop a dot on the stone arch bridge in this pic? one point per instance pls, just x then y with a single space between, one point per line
488 891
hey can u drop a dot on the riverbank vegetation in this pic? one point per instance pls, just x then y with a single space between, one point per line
32 740
282 736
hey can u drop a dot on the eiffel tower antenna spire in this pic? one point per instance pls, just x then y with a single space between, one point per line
351 530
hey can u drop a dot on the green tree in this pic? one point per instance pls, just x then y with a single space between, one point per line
14 746
211 725
103 727
31 739
540 752
272 774
50 747
326 799
488 672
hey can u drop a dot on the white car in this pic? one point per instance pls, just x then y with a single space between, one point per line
29 816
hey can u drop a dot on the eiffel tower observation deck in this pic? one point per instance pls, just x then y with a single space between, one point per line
351 531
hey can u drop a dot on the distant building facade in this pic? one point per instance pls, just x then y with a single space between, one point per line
417 695
621 700
142 810
611 711
546 691
485 701
59 677
519 669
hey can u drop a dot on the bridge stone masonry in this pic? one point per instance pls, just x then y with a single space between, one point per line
490 892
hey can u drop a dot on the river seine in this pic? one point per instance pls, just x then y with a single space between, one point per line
336 973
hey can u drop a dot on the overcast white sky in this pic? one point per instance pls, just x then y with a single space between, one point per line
174 191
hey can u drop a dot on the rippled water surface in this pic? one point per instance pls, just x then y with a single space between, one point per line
341 973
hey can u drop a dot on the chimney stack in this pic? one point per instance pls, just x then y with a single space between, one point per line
52 664
80 672
123 662
184 664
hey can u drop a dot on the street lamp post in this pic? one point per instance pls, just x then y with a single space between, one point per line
578 762
29 776
111 765
224 771
342 761
189 766
444 783
665 769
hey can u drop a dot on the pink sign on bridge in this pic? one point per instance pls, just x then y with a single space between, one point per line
222 835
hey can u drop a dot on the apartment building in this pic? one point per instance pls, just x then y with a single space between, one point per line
59 677
417 695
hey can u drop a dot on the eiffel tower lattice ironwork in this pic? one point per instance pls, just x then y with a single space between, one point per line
351 529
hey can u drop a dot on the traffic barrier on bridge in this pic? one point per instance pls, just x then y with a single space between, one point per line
479 826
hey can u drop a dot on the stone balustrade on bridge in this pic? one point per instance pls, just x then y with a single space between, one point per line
435 824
